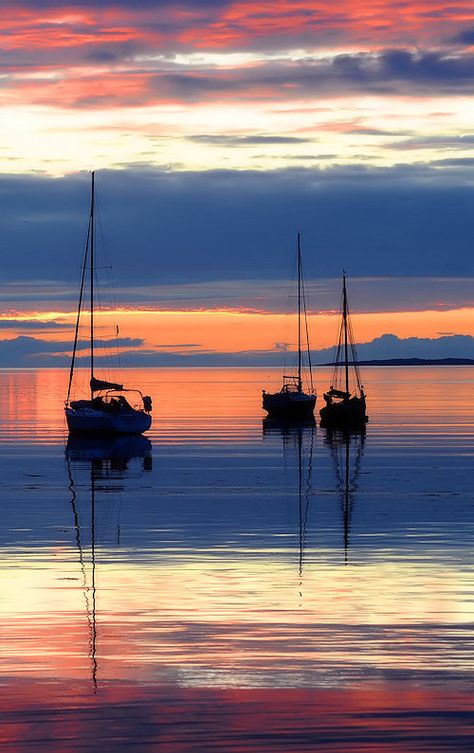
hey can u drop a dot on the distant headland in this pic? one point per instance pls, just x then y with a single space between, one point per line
416 362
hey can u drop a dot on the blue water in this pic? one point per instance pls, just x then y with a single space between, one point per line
232 584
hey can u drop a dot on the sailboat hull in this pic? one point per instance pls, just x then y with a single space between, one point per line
347 413
89 421
289 406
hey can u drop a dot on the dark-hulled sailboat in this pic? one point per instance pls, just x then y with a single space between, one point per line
111 409
345 407
292 403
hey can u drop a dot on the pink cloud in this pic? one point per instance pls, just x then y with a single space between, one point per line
240 24
116 54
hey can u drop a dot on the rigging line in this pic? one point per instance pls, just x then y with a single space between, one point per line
346 359
353 348
337 352
110 283
310 368
78 318
289 298
106 354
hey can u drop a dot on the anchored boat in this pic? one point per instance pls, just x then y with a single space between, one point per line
292 403
345 406
111 408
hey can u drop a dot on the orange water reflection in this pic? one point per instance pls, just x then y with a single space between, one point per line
224 586
224 404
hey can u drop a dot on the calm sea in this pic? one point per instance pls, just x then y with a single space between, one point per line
229 584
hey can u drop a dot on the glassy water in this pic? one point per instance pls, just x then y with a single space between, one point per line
231 584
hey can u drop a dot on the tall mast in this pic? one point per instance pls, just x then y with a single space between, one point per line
300 384
344 320
92 281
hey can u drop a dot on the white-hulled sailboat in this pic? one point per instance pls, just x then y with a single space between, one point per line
111 409
292 403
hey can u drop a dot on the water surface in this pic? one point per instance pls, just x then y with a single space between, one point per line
232 584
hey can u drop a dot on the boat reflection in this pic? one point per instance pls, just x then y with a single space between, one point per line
288 430
347 448
299 438
104 460
109 453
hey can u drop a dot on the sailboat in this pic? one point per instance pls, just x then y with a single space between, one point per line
345 407
292 402
111 408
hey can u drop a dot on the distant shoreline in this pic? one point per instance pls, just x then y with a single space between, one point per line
273 366
415 362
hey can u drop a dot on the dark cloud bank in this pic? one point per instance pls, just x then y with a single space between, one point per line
182 227
390 72
26 351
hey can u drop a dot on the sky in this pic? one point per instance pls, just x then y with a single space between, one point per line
218 129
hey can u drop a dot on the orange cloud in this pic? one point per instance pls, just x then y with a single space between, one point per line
234 331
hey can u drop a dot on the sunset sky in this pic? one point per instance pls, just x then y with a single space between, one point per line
218 129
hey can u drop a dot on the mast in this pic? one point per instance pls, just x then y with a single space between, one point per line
92 281
300 384
344 321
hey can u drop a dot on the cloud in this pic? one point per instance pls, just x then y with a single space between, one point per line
465 37
191 227
177 346
462 162
28 351
464 142
32 324
391 346
119 74
390 72
222 140
116 54
32 351
232 24
385 347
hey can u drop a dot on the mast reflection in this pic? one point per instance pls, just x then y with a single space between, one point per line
346 447
298 437
106 462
